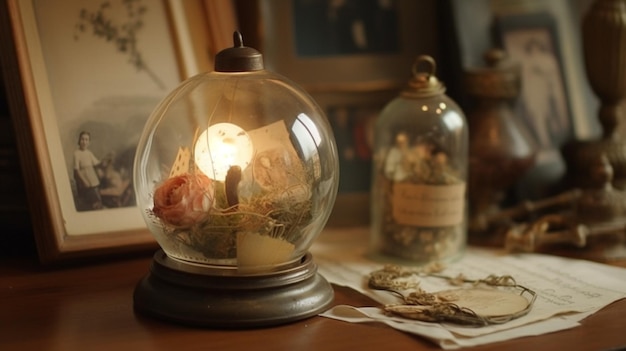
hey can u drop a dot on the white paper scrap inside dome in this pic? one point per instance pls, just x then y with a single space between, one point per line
255 250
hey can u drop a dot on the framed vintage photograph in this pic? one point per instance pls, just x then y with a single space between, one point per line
477 25
84 77
532 41
353 57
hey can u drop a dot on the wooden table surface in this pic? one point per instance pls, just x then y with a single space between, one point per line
89 307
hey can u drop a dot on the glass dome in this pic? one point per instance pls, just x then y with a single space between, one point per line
238 169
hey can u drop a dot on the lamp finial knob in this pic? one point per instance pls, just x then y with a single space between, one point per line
239 58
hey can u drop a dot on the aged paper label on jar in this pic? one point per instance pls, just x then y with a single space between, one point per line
428 205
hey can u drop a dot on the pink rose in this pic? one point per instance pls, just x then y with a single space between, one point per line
184 200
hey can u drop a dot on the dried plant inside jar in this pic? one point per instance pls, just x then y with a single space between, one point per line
423 205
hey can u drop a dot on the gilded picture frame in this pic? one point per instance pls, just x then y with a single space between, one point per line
96 69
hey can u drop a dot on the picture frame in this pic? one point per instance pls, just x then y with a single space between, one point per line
532 41
349 69
351 80
470 32
64 76
544 107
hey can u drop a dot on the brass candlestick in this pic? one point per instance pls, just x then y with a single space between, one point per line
604 43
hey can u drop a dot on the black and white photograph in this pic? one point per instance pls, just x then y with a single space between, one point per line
544 107
92 72
544 103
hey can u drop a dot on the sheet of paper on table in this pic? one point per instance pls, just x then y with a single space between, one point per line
567 290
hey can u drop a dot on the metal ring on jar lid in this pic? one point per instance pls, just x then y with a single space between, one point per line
423 83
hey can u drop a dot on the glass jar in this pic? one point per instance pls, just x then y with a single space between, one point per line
420 167
237 168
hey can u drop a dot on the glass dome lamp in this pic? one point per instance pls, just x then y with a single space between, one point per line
236 174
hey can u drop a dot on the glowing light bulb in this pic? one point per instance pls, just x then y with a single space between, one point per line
220 147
